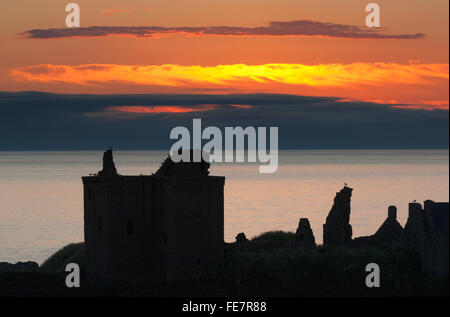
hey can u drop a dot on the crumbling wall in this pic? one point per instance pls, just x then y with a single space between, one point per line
337 229
304 234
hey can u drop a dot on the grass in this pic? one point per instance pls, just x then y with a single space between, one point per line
320 271
252 271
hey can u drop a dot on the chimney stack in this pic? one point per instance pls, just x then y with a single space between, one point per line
392 212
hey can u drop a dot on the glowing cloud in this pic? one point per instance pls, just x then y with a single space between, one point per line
413 84
323 75
427 105
127 112
161 109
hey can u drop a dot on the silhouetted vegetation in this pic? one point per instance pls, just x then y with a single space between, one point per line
71 253
317 271
275 236
252 271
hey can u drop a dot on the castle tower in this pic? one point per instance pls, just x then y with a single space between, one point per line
164 226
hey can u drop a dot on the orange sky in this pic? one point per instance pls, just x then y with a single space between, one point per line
411 71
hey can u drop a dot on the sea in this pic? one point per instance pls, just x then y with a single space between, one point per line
41 193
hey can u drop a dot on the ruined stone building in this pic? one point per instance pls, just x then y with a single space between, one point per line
426 232
389 232
304 234
337 228
163 226
391 229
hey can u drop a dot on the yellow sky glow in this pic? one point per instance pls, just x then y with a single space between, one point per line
325 75
351 79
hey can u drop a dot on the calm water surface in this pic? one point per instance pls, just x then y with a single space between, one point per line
41 206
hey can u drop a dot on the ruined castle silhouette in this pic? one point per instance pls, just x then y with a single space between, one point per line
163 226
169 225
426 231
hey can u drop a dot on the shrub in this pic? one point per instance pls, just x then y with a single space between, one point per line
275 236
71 253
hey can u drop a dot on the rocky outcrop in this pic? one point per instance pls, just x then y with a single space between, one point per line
304 235
19 267
391 229
337 228
109 168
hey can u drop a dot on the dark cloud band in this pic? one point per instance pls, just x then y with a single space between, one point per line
41 121
301 28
